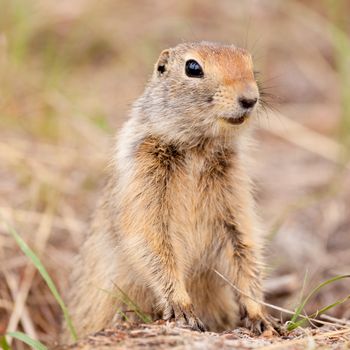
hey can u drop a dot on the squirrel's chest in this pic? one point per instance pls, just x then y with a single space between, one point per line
202 191
194 187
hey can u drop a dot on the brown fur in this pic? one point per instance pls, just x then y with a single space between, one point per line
178 204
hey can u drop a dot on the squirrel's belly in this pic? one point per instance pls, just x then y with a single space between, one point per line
195 220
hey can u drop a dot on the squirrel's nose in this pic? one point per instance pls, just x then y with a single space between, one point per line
247 103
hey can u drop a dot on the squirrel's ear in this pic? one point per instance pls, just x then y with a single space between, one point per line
162 63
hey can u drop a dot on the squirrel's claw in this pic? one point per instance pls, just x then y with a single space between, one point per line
184 316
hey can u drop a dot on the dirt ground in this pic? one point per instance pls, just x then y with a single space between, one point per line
68 74
166 336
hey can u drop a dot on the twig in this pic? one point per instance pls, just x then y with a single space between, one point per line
33 217
42 236
275 307
19 311
334 319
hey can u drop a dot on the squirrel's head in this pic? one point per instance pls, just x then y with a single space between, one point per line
201 89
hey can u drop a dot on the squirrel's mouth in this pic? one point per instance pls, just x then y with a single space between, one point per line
235 120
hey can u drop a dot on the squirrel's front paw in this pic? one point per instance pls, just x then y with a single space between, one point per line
258 322
259 325
184 316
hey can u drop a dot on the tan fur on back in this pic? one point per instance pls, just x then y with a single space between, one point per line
178 203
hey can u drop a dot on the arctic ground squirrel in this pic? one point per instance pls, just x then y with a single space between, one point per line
178 204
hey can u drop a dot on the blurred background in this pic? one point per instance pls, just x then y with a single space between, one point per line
69 71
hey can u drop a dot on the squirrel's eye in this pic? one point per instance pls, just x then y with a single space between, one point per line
193 69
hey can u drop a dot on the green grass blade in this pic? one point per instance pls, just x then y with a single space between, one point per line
125 299
35 344
144 317
40 267
331 306
4 344
120 312
300 308
319 312
304 285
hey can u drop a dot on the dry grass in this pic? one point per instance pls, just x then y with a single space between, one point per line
69 71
